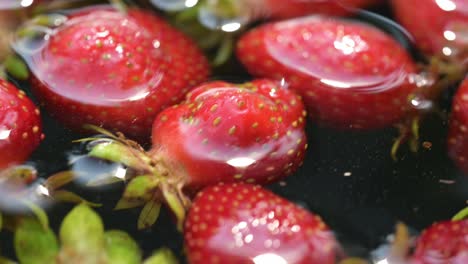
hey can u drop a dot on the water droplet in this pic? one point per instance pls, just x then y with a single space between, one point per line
174 5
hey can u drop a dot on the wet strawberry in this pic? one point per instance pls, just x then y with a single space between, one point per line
242 223
20 125
114 70
443 243
350 75
438 27
458 133
225 132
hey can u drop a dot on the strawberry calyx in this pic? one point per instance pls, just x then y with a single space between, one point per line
461 215
154 184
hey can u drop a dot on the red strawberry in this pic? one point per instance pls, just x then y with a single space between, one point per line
242 223
114 70
20 125
350 75
439 27
443 243
225 132
458 133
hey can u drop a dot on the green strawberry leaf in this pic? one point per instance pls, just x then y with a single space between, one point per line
39 213
140 187
82 236
149 214
162 256
34 243
121 248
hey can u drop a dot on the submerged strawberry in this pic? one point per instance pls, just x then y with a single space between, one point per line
222 132
113 69
444 242
20 125
350 75
226 132
242 223
458 133
438 27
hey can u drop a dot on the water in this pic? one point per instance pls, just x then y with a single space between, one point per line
348 177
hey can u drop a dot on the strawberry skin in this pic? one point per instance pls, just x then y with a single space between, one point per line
20 125
438 27
350 75
115 70
458 131
224 132
443 243
242 223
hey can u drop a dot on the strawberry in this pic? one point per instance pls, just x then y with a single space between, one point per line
20 125
350 75
438 27
444 242
458 132
224 132
243 223
114 70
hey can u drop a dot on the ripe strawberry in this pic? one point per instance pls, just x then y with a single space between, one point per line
20 125
458 132
242 223
225 132
443 243
114 70
350 75
438 27
222 132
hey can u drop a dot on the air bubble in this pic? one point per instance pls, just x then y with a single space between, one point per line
31 39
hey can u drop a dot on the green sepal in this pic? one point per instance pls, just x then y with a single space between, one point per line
59 179
162 256
82 236
141 187
121 248
35 244
149 214
123 204
69 197
16 67
176 205
463 214
117 152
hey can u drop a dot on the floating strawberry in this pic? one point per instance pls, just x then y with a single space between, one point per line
112 69
242 223
438 27
443 242
222 132
20 125
458 133
350 75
